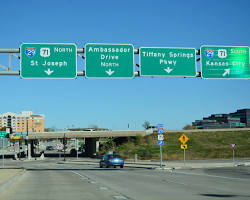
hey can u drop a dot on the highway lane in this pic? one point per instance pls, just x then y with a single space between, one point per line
49 180
179 184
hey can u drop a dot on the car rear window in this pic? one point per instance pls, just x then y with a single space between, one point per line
114 156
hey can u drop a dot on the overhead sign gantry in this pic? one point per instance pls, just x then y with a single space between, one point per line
41 60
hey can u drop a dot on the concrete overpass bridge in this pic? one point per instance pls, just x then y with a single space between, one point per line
91 137
88 134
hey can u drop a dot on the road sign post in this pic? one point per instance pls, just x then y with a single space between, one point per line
175 62
48 60
109 61
233 155
160 140
184 157
184 147
183 139
76 144
233 147
225 62
3 150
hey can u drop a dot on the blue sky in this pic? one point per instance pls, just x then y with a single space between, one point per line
114 104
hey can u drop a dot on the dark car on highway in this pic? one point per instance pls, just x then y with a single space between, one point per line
111 160
50 148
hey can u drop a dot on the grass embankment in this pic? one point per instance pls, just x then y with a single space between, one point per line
201 145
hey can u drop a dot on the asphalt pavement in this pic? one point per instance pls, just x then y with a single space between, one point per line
50 179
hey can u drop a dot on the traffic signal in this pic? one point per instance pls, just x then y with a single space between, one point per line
9 132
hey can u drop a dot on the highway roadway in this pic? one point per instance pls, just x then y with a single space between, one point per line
50 180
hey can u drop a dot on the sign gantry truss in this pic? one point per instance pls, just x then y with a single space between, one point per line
59 60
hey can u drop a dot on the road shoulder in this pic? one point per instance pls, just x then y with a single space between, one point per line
8 177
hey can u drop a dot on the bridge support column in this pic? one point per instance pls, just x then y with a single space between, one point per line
32 148
29 149
90 147
97 145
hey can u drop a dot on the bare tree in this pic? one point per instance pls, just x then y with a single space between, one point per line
93 126
189 127
146 124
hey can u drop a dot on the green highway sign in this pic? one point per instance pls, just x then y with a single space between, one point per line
48 60
161 61
225 62
3 134
109 61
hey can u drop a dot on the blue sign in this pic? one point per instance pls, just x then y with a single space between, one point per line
30 51
209 53
160 126
160 131
160 142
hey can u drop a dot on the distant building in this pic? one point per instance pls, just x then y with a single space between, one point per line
21 122
239 119
244 115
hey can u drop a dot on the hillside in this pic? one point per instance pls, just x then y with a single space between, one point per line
201 145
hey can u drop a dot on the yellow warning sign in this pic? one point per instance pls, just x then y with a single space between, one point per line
15 137
183 139
184 146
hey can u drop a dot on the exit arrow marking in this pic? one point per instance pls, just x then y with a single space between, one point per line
49 71
227 71
109 72
168 70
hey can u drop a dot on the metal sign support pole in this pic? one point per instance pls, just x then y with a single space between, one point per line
184 157
160 156
76 148
3 151
64 147
26 138
34 151
19 149
233 155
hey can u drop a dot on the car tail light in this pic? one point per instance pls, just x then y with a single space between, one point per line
121 159
110 159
